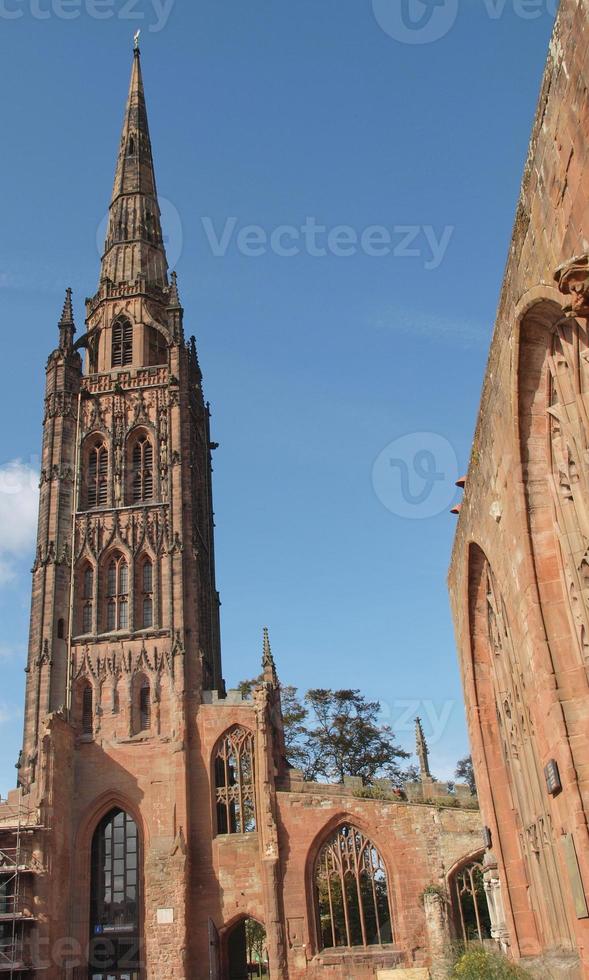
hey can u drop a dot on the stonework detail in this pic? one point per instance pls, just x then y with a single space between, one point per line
519 585
160 810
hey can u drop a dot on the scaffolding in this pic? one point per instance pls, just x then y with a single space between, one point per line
18 820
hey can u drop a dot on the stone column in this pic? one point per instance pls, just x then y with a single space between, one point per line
439 937
492 884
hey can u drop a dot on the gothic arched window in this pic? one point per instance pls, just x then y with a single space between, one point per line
142 470
351 892
87 601
469 903
158 348
234 783
122 343
141 704
97 476
115 940
117 594
147 594
87 710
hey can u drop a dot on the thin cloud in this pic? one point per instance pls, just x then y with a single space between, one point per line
11 652
432 326
19 498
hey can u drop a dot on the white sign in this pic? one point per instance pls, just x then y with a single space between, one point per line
165 917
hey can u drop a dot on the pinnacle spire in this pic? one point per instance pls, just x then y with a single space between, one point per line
134 246
268 665
422 750
67 327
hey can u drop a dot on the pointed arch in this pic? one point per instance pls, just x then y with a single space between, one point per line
141 703
121 342
84 705
140 467
351 892
157 346
86 586
116 585
234 781
116 895
145 591
94 472
523 830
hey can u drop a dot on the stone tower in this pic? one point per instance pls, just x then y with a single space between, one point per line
126 466
156 819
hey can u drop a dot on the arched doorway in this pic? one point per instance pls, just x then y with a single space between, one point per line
115 934
246 952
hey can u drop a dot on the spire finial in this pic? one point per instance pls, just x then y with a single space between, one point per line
67 314
268 665
67 327
422 750
174 300
134 246
136 37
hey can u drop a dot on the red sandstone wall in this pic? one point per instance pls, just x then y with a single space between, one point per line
507 514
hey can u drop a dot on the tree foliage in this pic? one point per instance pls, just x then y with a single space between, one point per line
344 738
465 771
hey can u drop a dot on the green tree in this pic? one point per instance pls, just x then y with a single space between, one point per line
332 734
465 772
345 739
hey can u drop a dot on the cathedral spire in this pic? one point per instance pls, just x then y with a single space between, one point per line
422 750
268 665
134 247
67 327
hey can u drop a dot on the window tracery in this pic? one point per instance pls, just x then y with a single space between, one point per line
234 783
352 894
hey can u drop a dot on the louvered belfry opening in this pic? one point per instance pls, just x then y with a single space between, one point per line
122 343
142 464
97 487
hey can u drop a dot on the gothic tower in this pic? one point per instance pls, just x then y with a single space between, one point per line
126 469
157 824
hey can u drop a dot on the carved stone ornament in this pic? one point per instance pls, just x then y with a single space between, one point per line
572 279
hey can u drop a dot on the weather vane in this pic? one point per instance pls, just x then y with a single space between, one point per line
136 40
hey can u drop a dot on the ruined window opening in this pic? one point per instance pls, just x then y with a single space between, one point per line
234 783
469 901
351 888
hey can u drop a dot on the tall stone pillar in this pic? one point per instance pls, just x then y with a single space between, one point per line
439 936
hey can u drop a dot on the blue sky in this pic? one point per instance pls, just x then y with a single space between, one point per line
272 114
